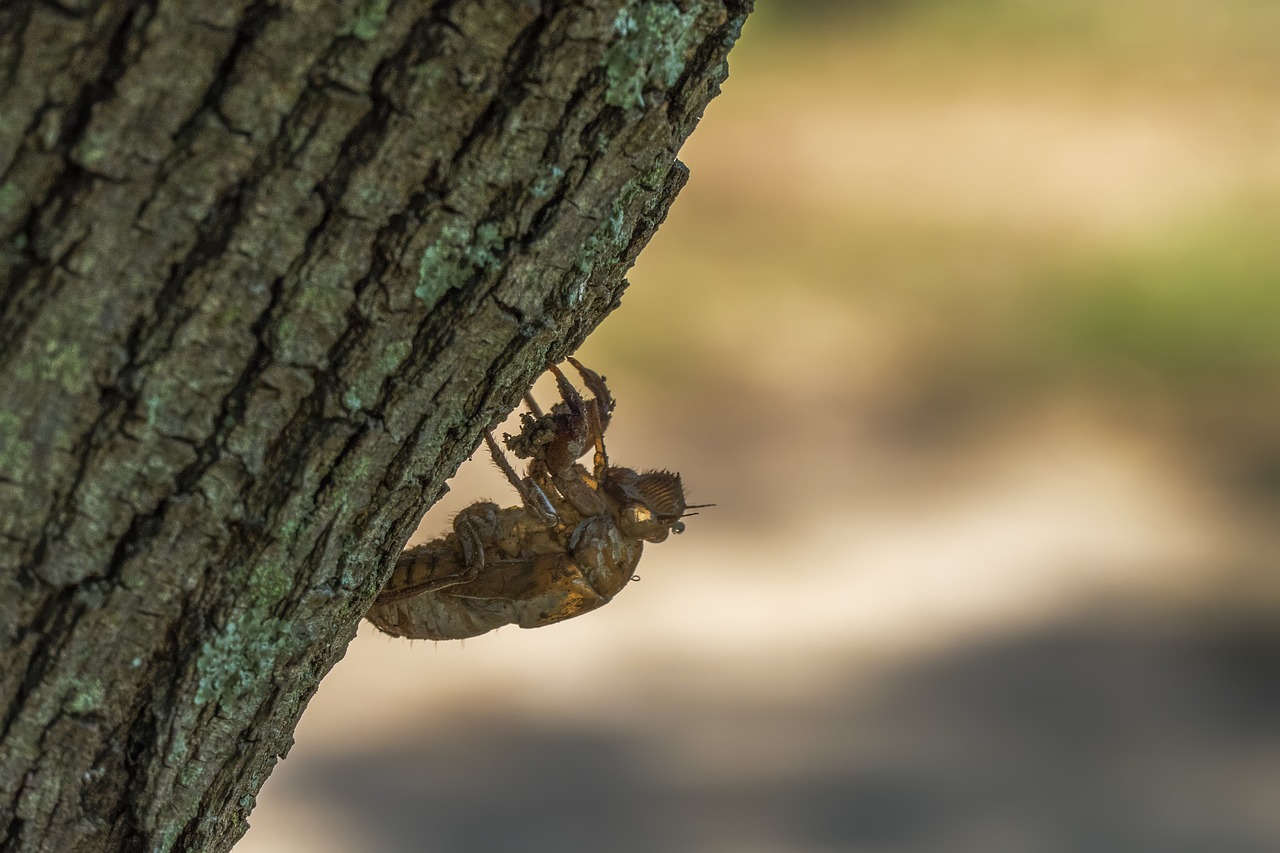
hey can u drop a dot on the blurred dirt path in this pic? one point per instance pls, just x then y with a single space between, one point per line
1070 521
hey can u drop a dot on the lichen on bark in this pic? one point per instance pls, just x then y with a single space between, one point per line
266 272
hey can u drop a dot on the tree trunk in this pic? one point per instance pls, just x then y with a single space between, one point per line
266 272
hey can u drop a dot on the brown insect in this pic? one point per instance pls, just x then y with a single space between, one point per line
569 548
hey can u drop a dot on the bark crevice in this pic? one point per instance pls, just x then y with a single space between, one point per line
266 277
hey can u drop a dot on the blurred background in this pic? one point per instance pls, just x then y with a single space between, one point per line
969 323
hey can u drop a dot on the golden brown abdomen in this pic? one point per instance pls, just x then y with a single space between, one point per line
541 585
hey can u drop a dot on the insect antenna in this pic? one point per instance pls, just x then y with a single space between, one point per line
694 506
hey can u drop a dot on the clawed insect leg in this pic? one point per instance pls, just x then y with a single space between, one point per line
603 400
415 562
600 462
500 459
400 593
573 401
555 441
585 420
472 547
535 500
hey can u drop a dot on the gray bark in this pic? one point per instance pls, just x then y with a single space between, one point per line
267 269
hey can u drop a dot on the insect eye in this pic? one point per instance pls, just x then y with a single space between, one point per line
678 527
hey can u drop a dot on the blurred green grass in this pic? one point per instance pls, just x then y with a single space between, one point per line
981 201
1200 306
1239 34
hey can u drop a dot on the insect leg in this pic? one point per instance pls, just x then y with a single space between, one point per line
472 544
399 590
419 570
534 498
604 402
572 399
600 461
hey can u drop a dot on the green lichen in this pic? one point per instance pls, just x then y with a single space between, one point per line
370 193
653 179
347 578
15 451
153 404
356 470
165 838
189 774
431 73
616 221
608 243
734 31
440 269
325 291
612 235
86 697
456 256
286 332
393 356
542 187
50 129
177 748
270 582
289 529
481 253
41 794
64 365
653 39
238 657
370 15
10 196
91 150
369 374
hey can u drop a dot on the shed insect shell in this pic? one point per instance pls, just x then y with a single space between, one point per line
570 546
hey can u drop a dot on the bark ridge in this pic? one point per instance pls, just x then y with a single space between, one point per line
266 272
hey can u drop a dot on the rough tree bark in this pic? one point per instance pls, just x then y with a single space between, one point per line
267 269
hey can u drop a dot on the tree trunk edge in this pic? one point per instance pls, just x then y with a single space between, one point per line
145 696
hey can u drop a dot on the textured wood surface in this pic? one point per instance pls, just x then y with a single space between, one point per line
266 271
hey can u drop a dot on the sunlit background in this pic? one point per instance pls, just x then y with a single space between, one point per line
969 323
